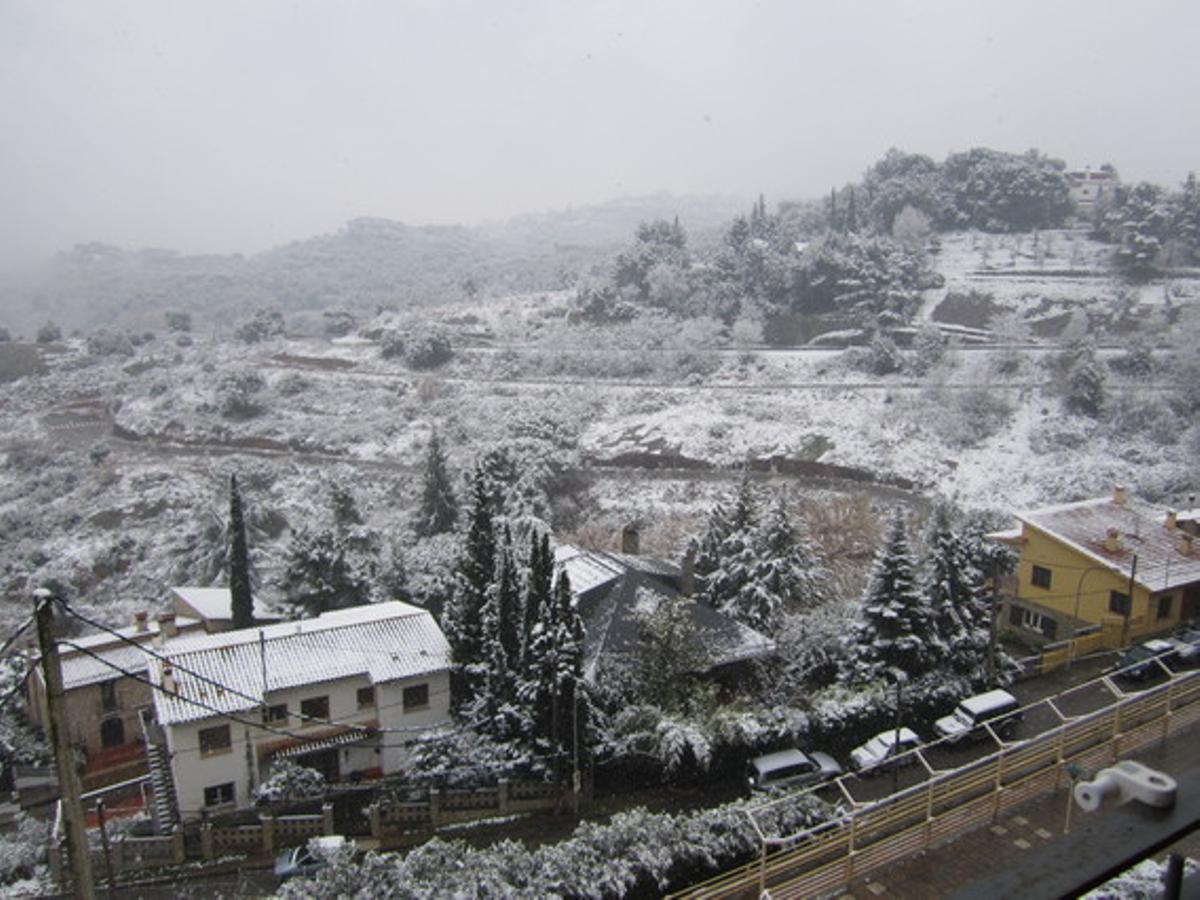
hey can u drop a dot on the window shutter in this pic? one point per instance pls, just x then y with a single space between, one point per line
1014 614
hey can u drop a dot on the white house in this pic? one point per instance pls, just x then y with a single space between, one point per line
344 693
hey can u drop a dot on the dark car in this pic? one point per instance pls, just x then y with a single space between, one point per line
1139 662
1187 647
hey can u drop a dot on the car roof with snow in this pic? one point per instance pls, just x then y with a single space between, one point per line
988 701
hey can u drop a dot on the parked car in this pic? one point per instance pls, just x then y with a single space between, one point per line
1187 647
882 750
998 708
310 858
790 768
1138 663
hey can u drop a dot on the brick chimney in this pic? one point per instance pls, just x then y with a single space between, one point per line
166 624
1187 543
1119 495
1172 521
631 539
1112 541
168 679
139 621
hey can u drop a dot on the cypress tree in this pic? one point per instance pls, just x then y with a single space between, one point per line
462 619
439 507
537 588
241 598
509 621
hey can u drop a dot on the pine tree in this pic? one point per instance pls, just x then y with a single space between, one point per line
509 625
439 507
574 702
896 623
732 562
241 598
948 586
783 573
850 224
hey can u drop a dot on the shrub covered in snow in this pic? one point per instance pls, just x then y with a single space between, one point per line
467 759
290 781
637 853
23 848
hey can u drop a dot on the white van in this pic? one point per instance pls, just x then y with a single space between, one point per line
998 708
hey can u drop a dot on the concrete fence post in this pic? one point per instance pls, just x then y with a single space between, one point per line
267 822
502 795
55 858
326 818
376 821
178 852
435 807
206 841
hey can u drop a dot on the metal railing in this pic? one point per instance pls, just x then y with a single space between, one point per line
948 803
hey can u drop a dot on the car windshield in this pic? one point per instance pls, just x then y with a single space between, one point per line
964 718
877 746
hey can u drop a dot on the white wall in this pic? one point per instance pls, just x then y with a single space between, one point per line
193 773
390 700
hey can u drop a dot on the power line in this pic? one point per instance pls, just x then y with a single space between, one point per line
16 634
256 701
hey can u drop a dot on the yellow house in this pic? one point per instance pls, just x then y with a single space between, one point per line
1116 562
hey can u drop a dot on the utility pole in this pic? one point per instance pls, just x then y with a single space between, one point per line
1128 604
78 853
992 632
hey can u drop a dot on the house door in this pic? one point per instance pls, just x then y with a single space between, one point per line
324 761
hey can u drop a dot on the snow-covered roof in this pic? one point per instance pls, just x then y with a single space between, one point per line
612 590
116 653
1163 558
383 642
212 602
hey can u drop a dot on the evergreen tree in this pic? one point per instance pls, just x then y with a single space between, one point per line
896 624
951 581
783 573
731 564
439 507
510 622
462 620
575 705
538 587
241 598
850 223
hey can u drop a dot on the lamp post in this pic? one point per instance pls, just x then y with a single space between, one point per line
898 677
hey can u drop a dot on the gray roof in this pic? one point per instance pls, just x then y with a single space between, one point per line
612 592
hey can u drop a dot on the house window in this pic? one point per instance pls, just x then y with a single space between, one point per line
108 695
219 794
215 740
366 697
416 697
1164 606
1040 577
277 713
314 708
1032 620
112 733
1118 603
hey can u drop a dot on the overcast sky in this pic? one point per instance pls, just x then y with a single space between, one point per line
236 126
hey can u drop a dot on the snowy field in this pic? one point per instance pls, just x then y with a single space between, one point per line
114 469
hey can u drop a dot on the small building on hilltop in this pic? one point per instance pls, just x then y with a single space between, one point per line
1117 562
344 693
614 590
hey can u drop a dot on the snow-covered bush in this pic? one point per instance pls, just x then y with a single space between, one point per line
427 348
290 781
637 853
109 343
971 416
262 326
23 848
235 393
467 759
1132 415
49 333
